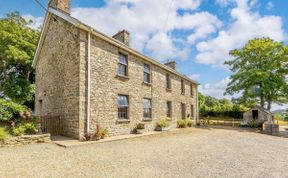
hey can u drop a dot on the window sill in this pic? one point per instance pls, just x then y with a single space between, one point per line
168 89
123 77
148 84
147 119
120 121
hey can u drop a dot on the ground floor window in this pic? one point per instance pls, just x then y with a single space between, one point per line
123 106
183 110
147 108
192 110
169 109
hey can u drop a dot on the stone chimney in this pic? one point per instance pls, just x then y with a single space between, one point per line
122 36
63 5
171 64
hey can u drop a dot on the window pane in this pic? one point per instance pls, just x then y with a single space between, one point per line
168 81
122 59
122 101
147 77
147 68
147 103
122 70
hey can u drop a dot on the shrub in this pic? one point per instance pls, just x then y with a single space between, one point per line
163 123
18 130
10 110
25 128
3 134
140 126
182 123
255 124
104 132
189 122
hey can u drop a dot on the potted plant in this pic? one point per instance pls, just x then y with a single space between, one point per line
104 133
140 127
181 123
162 125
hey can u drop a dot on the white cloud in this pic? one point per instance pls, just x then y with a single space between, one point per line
194 76
270 5
245 25
215 89
146 22
36 21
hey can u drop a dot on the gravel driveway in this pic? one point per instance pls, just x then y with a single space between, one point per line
185 153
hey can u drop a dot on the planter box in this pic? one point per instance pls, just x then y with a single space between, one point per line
140 131
161 128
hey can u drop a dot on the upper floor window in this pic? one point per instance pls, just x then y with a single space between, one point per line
122 65
169 109
182 87
191 89
123 106
147 73
168 81
147 108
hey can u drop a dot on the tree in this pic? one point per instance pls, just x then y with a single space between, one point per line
260 71
17 46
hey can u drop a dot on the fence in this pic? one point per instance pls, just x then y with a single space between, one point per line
51 125
224 122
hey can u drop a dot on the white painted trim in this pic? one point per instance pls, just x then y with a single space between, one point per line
88 81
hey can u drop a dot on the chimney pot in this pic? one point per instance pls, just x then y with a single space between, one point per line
63 5
122 36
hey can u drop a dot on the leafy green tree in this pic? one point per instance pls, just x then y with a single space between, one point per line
17 46
260 72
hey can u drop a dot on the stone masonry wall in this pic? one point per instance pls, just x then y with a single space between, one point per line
25 140
57 76
106 85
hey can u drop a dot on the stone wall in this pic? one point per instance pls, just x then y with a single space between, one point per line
106 85
57 76
25 140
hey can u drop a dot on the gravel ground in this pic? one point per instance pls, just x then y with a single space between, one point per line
186 153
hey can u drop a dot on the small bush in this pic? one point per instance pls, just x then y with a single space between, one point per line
189 122
255 124
163 123
3 134
18 130
181 123
26 128
104 132
140 126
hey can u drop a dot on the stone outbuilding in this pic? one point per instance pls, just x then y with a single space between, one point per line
89 79
257 114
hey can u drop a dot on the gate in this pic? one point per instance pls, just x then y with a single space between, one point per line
51 125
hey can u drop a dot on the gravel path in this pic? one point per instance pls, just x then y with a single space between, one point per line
186 153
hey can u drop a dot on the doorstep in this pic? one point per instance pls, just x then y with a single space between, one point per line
70 142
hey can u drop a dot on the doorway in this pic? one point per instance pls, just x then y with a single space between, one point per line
255 114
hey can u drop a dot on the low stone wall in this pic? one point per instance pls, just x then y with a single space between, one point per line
25 140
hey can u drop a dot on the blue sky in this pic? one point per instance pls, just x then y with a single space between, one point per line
198 34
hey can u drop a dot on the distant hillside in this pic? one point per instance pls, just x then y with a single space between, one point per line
279 111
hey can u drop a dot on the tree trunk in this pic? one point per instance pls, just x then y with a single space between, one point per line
269 105
262 102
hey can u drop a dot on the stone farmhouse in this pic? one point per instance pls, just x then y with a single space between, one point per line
87 78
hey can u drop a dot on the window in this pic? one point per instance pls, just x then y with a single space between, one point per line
147 108
147 73
123 105
122 65
169 109
192 111
183 110
168 81
191 89
182 87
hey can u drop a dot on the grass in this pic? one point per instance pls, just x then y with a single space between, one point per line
3 134
282 123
